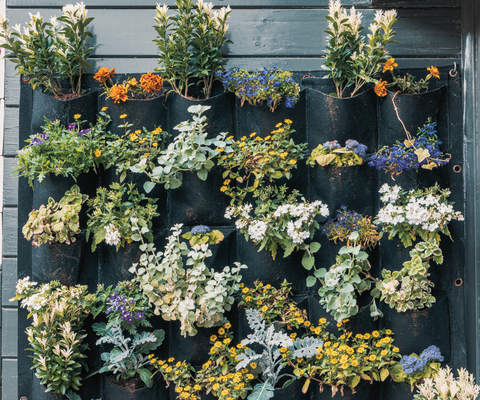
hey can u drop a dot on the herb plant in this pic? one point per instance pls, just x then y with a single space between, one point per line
190 151
111 212
253 160
127 358
196 295
190 43
269 86
330 153
56 222
422 212
423 151
62 151
56 335
50 52
352 61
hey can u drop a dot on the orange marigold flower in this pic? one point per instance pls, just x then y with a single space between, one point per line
118 93
104 73
151 83
132 82
380 89
434 72
389 65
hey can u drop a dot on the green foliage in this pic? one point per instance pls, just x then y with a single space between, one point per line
62 151
212 237
190 151
189 44
126 360
409 288
340 157
111 212
56 336
195 295
352 61
51 51
251 161
56 222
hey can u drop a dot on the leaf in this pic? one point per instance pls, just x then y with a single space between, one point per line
202 174
175 183
355 381
308 262
277 175
311 280
314 247
383 374
422 154
429 166
148 186
262 392
325 159
408 143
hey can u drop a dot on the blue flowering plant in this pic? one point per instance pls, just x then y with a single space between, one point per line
413 369
202 234
348 221
422 151
331 153
61 150
268 86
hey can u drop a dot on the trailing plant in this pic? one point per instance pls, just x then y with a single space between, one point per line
341 283
270 86
56 336
202 234
270 361
409 288
280 220
149 86
414 369
125 305
351 60
443 385
132 147
190 43
423 151
127 358
345 360
50 52
422 212
111 212
348 221
196 295
330 153
62 151
190 151
406 84
56 222
254 160
273 304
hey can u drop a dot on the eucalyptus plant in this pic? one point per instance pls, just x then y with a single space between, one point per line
190 43
50 52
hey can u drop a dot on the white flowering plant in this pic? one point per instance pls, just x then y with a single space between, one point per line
111 212
196 295
56 335
280 220
409 288
351 60
50 52
423 213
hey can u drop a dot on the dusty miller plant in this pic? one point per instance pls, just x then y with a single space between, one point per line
195 295
270 361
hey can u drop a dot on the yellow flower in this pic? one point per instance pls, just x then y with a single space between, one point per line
434 72
389 64
307 323
220 149
395 349
322 321
253 134
267 137
216 386
104 109
146 155
284 154
123 116
288 121
293 335
138 131
372 357
354 363
375 334
211 379
179 389
154 144
253 365
221 331
250 376
228 325
360 350
300 320
339 324
133 137
245 290
150 356
227 341
197 388
380 89
241 144
278 125
344 365
388 332
259 302
366 336
293 162
213 338
171 359
383 352
264 308
358 336
248 298
268 287
223 188
77 116
243 138
98 153
226 181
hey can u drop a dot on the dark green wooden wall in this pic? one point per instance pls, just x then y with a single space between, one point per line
264 32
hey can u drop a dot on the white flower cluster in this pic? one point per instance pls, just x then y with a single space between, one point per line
37 300
257 230
24 285
112 236
390 193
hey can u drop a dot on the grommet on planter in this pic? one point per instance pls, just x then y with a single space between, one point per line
45 106
113 390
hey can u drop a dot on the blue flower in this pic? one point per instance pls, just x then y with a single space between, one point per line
431 353
411 364
83 132
200 229
36 141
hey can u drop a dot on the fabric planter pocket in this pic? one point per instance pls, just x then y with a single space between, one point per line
413 110
219 116
332 118
397 391
58 261
292 391
363 391
45 106
261 119
38 391
149 114
417 330
112 390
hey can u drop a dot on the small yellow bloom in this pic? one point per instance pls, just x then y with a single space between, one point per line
213 338
360 350
383 352
171 359
380 88
264 308
366 336
221 331
154 144
268 287
77 116
434 72
293 335
288 121
389 64
104 109
388 332
372 357
138 131
322 321
228 325
123 116
253 134
259 302
375 334
223 188
98 153
395 349
197 388
307 323
293 162
220 149
243 138
253 365
278 125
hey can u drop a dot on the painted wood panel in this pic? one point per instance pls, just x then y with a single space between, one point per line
10 141
10 231
266 33
9 280
10 183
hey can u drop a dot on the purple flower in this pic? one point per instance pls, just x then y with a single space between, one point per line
72 126
83 132
36 141
332 145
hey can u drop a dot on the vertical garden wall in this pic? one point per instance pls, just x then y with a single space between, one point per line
292 36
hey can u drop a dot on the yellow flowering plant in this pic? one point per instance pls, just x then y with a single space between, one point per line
273 304
254 159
